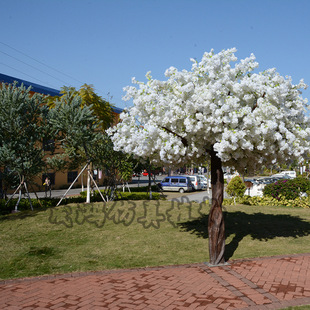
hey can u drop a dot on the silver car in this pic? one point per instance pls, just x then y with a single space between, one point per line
206 183
196 182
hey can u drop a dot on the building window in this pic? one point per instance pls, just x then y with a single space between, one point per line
71 176
49 145
51 177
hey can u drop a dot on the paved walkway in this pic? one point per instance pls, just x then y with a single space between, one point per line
262 283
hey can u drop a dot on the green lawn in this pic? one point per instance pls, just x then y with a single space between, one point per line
137 234
298 308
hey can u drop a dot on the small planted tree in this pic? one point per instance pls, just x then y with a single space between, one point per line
233 115
117 165
76 128
236 187
22 128
78 119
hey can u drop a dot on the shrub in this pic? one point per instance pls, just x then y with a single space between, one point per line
24 204
303 202
302 183
123 196
52 202
139 196
154 188
236 187
286 188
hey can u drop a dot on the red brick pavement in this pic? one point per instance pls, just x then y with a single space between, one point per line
262 283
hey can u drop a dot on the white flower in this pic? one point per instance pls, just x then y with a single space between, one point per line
248 118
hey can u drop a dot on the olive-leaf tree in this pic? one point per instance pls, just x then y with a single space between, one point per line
233 114
23 125
76 128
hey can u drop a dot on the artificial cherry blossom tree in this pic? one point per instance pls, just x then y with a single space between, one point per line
233 114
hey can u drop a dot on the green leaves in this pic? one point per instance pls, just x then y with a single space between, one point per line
236 187
22 128
290 189
74 125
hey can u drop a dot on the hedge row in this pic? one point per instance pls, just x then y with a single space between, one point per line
36 204
52 202
154 188
300 202
123 196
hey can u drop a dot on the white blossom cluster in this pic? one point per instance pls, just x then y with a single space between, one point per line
248 118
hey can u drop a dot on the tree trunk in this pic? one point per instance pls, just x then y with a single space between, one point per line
150 183
216 227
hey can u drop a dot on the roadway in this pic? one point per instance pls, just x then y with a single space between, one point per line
197 196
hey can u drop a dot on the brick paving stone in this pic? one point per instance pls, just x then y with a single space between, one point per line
260 283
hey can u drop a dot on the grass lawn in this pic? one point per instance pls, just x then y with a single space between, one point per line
298 308
142 233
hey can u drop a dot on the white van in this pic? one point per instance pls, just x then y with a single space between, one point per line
176 183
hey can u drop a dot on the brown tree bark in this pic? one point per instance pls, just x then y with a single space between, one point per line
216 227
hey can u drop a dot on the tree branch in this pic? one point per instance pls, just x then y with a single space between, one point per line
184 141
209 150
255 105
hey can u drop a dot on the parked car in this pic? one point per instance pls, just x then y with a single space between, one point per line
206 183
177 183
285 174
146 174
196 182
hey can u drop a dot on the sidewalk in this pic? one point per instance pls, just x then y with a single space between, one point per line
198 196
259 283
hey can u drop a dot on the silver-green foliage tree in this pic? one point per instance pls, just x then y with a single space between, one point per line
78 126
75 127
22 128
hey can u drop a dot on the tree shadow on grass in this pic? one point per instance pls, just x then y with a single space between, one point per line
20 215
259 226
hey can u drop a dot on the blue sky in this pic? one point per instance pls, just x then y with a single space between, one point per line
107 42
